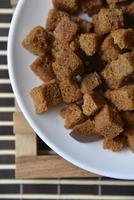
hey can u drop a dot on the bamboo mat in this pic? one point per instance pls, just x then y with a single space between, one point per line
36 189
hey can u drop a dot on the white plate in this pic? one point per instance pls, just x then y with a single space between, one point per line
50 126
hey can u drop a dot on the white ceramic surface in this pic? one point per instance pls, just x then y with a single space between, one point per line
49 126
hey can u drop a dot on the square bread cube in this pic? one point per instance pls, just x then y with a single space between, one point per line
37 41
70 6
90 82
46 96
65 30
116 144
42 67
73 115
92 103
89 43
70 91
122 98
54 17
124 38
91 7
119 70
108 50
108 20
85 132
108 122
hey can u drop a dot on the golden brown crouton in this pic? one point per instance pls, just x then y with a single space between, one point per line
46 96
65 30
70 6
92 103
108 50
54 17
42 67
108 20
124 38
67 64
90 82
70 91
73 115
91 7
129 118
116 144
119 70
122 98
89 43
57 46
37 41
85 132
108 122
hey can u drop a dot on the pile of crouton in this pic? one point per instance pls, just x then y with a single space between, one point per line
90 67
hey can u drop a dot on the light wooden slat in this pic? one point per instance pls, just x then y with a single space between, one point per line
6 11
47 167
5 25
5 81
8 166
6 123
19 119
7 152
7 109
3 67
6 95
3 53
3 39
7 138
65 196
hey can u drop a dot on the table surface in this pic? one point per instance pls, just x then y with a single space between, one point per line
10 188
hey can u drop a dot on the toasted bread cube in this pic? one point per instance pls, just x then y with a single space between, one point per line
108 122
42 67
89 43
67 64
91 7
57 47
54 17
65 30
119 70
90 82
73 115
122 98
46 96
129 118
130 10
70 91
108 20
70 6
108 50
130 138
116 144
92 103
37 41
124 38
85 132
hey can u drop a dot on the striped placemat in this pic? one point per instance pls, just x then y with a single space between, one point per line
11 188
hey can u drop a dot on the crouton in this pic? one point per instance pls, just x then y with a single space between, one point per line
37 41
124 38
85 132
108 20
70 6
57 47
128 118
42 67
46 96
108 122
54 17
108 50
92 103
73 115
67 64
65 30
130 138
90 82
119 70
114 3
89 43
70 91
91 7
122 98
116 144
